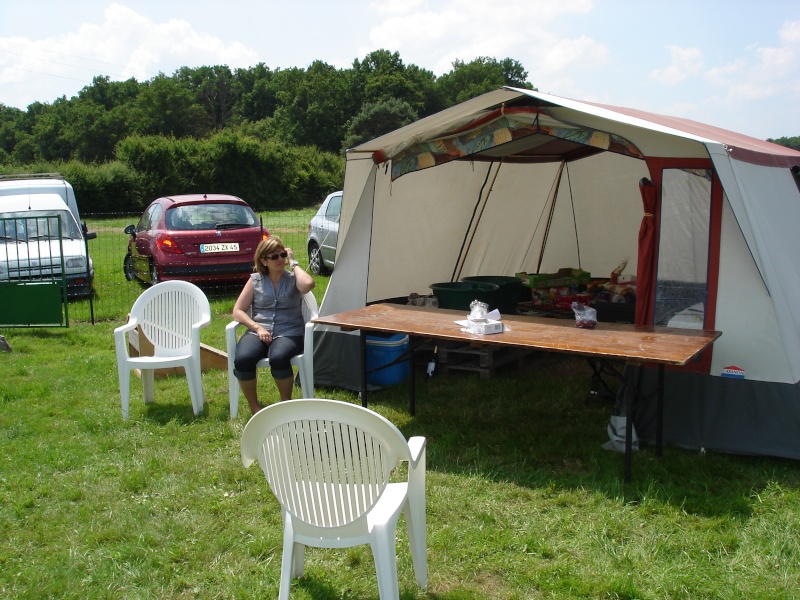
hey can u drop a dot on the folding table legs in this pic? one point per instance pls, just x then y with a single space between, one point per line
412 403
630 394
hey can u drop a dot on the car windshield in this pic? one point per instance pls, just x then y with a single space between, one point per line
38 225
191 217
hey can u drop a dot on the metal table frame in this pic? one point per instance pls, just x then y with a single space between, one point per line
634 345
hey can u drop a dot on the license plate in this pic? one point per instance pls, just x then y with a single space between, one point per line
207 248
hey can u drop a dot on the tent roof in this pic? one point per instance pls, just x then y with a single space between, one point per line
542 148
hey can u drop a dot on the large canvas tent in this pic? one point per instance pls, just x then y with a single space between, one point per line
516 180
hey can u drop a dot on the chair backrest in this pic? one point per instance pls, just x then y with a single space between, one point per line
326 461
310 307
166 313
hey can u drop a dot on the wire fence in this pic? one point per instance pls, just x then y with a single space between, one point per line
114 294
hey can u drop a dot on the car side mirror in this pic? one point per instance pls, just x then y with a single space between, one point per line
89 235
131 230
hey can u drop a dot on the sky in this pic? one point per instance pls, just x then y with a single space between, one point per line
733 64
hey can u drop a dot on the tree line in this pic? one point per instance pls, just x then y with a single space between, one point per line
274 137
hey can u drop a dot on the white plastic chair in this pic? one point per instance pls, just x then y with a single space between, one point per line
328 464
171 315
304 362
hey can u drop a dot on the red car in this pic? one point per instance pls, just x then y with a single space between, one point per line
202 238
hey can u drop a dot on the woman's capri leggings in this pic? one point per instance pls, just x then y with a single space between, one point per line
250 350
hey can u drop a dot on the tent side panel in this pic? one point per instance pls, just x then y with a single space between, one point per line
723 414
766 204
751 336
337 359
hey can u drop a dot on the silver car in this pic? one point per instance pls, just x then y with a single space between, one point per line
323 231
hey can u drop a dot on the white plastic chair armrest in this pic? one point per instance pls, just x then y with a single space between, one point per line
198 326
416 446
230 335
129 326
120 337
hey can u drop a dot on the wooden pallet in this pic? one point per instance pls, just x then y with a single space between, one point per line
210 358
483 360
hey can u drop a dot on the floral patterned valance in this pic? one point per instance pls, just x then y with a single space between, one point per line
493 129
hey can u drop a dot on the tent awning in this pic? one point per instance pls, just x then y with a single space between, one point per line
453 121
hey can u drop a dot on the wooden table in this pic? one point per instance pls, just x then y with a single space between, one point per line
610 341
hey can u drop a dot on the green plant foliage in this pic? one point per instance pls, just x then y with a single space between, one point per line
267 174
377 119
106 188
789 142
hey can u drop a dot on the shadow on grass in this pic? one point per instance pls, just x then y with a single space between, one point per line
534 428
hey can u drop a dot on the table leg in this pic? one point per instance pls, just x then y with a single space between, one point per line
660 410
630 393
363 344
412 400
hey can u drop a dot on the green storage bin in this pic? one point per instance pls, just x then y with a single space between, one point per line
508 293
458 295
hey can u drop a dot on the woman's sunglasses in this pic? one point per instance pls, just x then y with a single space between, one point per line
275 256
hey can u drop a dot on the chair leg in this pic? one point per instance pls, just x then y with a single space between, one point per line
233 394
417 540
148 385
124 388
194 376
292 563
382 541
306 382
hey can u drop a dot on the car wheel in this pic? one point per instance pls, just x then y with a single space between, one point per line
315 264
153 273
127 267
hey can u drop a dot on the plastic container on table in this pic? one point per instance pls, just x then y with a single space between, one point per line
509 293
458 295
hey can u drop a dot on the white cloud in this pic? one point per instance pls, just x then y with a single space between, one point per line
686 62
123 44
467 29
764 71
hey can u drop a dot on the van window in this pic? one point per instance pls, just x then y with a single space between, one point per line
38 224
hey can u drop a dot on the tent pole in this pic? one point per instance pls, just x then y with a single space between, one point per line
550 216
473 226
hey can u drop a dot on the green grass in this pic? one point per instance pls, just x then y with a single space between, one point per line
522 501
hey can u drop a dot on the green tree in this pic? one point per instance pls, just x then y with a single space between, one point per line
258 99
377 118
789 142
382 76
313 107
481 75
164 107
93 131
48 131
10 122
215 89
110 94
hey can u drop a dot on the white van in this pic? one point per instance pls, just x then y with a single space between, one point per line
29 242
40 183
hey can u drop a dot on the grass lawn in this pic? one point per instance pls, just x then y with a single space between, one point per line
522 501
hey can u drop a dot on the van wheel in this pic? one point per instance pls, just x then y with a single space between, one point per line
153 273
127 267
315 264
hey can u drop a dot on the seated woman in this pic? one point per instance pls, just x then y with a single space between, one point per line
271 307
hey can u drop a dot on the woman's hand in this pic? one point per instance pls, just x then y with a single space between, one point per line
263 334
290 254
